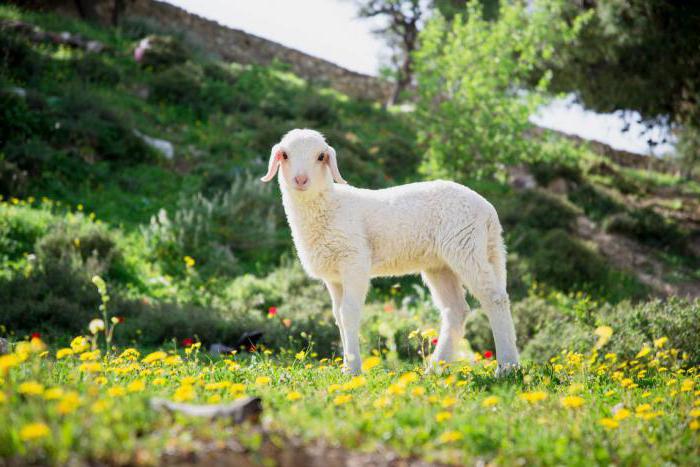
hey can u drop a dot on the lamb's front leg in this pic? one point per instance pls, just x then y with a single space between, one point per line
355 284
336 292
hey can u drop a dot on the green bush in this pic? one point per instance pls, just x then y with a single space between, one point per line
164 52
535 209
244 223
84 245
93 68
648 227
547 326
178 84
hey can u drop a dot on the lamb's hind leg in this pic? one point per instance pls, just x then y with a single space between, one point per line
488 286
448 295
336 292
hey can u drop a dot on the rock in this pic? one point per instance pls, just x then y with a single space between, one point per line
521 179
218 349
242 410
163 146
4 346
558 186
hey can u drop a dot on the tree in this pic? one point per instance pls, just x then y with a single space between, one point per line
403 20
641 55
475 94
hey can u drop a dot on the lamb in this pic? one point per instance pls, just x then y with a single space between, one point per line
346 235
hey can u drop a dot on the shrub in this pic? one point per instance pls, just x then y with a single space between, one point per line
648 227
83 245
535 209
244 222
179 84
93 68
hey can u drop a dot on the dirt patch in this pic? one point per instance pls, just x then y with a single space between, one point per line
282 451
627 254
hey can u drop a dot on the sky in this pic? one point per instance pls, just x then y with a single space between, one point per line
330 29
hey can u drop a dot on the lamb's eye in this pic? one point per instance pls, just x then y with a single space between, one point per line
284 155
322 157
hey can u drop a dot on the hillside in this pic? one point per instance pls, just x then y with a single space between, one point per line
152 309
192 238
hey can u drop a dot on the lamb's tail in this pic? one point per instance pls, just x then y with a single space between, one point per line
495 248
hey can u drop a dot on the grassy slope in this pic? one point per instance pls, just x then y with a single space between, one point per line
232 132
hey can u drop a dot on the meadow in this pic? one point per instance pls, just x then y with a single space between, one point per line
121 267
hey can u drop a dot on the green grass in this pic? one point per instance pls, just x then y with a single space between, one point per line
97 407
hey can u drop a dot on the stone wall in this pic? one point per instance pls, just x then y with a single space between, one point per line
239 46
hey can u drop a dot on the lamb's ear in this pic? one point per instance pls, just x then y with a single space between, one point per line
333 164
275 159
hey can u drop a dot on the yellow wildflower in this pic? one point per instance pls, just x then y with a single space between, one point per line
396 389
262 380
694 425
490 401
408 378
687 385
189 261
646 350
450 437
448 401
99 406
8 361
660 342
3 397
572 402
90 367
53 394
294 396
184 393
370 362
695 413
154 357
88 356
159 382
533 397
442 416
31 388
622 414
609 423
68 403
116 391
79 344
354 383
381 402
236 388
418 391
63 353
34 431
342 399
138 385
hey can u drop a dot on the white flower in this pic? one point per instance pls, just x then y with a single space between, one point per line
96 325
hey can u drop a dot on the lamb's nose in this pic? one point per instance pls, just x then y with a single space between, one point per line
301 180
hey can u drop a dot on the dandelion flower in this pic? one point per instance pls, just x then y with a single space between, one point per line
448 401
646 350
442 416
69 403
622 414
116 391
294 396
370 363
154 357
137 385
533 397
34 431
31 388
572 402
660 342
609 423
450 437
184 393
79 344
694 425
342 399
418 391
262 380
53 394
63 353
490 401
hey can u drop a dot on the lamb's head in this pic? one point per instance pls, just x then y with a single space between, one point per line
305 161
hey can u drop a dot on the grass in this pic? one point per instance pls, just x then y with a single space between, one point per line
578 409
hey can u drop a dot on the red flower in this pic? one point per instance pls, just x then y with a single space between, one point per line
434 341
187 342
488 354
272 311
36 335
120 319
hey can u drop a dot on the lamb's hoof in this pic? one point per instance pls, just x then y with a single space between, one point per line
505 369
352 371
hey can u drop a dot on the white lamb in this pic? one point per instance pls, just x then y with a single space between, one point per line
346 235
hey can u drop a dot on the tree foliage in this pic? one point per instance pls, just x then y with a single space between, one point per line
472 78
